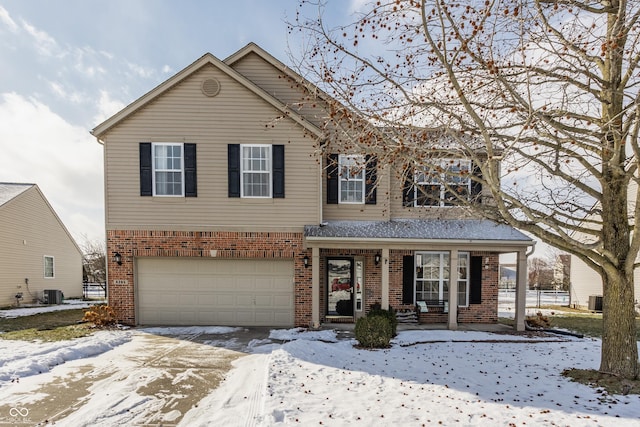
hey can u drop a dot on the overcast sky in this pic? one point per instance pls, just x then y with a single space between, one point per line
65 66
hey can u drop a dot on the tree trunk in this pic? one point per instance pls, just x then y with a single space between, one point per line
619 345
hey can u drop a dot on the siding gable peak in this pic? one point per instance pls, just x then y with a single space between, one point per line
206 59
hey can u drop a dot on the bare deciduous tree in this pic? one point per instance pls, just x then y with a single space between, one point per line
542 95
94 261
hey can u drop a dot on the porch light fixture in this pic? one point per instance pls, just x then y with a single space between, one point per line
117 258
377 259
306 261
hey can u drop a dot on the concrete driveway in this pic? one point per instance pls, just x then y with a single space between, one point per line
168 375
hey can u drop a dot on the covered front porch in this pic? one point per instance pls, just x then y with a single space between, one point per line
409 265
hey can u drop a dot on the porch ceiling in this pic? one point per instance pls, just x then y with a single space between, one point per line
416 233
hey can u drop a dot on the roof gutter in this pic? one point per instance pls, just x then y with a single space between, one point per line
525 243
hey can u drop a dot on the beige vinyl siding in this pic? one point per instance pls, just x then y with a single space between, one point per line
234 116
280 86
29 230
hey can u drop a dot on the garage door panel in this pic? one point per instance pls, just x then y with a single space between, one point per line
215 292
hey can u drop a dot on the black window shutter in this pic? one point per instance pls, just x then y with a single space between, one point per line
475 290
146 180
233 169
371 176
278 171
190 177
408 195
332 179
408 267
476 187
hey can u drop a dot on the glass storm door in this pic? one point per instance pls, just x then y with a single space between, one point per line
340 292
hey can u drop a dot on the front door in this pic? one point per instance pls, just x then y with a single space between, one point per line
340 293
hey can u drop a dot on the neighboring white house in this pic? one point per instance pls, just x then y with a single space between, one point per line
586 283
37 253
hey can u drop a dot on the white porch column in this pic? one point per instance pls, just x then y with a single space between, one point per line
315 287
521 289
453 290
385 278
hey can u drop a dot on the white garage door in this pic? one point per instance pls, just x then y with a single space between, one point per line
173 291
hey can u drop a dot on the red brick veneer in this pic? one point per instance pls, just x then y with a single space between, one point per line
132 244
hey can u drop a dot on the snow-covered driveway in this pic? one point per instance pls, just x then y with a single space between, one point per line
136 378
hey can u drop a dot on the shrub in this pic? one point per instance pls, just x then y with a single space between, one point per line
373 332
390 315
100 315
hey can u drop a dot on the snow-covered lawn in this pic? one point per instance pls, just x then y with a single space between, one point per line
294 377
426 378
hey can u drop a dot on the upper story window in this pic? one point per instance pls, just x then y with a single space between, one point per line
352 178
168 173
441 186
168 169
49 270
255 170
255 173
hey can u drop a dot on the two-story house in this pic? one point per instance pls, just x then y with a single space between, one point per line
221 211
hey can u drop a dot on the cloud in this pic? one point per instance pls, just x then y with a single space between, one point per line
358 6
107 107
38 146
5 18
140 71
44 43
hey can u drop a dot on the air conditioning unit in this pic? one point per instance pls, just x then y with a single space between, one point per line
595 302
53 296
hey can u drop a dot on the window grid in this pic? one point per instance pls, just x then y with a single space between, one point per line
351 179
432 277
255 173
168 171
436 187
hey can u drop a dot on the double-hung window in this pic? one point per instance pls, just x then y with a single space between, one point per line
255 173
443 183
352 178
432 276
49 269
168 171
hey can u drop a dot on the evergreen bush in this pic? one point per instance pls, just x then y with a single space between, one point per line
373 332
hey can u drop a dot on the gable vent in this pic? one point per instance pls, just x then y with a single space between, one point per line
210 87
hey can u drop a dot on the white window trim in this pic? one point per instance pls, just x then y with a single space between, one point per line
443 188
269 172
154 170
441 279
359 158
53 267
467 280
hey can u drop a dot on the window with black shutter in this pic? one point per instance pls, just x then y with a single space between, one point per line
168 169
256 170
